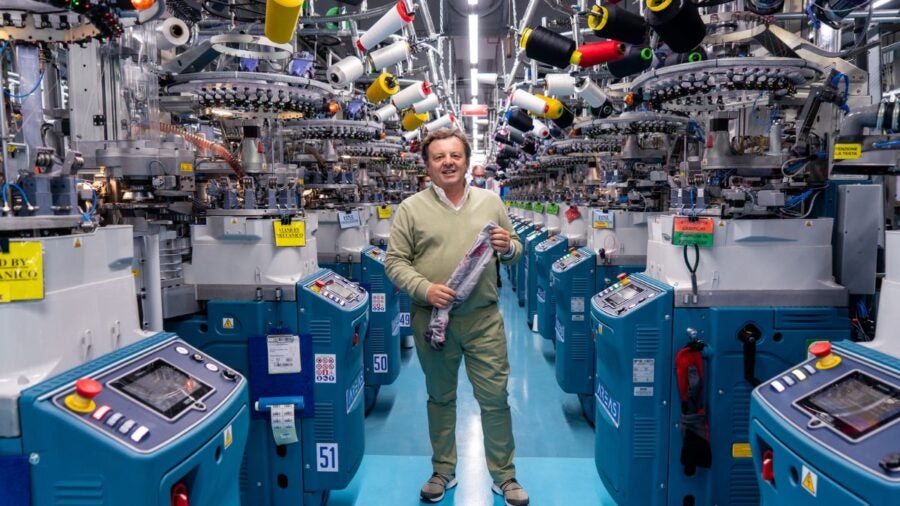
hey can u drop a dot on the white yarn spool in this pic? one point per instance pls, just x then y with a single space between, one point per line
389 23
591 93
383 58
539 129
415 92
385 113
559 85
172 33
429 104
345 71
529 102
442 122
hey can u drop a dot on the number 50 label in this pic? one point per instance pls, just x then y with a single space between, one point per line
327 457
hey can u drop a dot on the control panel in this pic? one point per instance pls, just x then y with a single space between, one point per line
573 258
339 290
377 254
846 401
624 296
147 402
550 242
533 235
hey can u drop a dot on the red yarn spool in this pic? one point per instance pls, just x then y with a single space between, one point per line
596 53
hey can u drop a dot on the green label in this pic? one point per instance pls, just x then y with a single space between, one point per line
692 238
538 208
553 208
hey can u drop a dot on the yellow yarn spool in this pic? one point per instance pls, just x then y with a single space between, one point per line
555 108
382 88
281 19
412 121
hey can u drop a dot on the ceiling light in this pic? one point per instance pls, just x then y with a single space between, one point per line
473 38
473 82
473 2
877 4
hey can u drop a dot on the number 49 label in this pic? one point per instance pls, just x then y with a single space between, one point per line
327 457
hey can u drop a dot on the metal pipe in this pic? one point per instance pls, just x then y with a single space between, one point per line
860 118
876 15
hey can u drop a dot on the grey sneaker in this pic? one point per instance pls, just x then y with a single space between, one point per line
512 492
434 488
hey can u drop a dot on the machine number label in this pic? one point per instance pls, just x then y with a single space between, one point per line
385 212
404 320
577 304
688 233
354 393
327 457
380 362
643 391
326 368
809 481
847 152
22 272
560 331
604 220
642 370
284 353
379 303
610 406
578 317
349 219
289 235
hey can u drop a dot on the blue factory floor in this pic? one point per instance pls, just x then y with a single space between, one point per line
554 443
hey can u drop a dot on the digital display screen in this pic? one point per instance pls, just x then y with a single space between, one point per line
341 291
162 387
855 405
623 295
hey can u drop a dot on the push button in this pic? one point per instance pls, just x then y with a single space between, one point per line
777 386
181 350
789 381
197 357
82 401
140 434
822 351
810 369
798 374
229 375
126 426
101 413
212 367
114 419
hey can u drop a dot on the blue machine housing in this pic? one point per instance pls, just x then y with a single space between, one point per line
100 458
330 385
517 274
382 345
813 461
783 333
545 298
529 259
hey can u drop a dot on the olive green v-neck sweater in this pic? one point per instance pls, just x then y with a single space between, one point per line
429 238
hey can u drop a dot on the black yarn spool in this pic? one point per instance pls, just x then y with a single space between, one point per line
547 46
516 137
520 120
566 120
612 22
530 147
677 22
604 111
634 62
508 152
502 139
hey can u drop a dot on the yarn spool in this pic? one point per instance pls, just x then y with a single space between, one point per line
540 130
604 111
519 119
383 58
596 53
386 25
565 119
382 88
515 135
528 102
617 24
559 85
429 104
447 120
412 121
555 108
697 55
677 22
591 93
385 113
415 92
281 19
345 71
530 147
547 46
636 60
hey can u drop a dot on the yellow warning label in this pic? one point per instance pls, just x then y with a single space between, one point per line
186 167
228 436
290 235
809 480
22 272
77 243
227 323
384 212
741 451
847 151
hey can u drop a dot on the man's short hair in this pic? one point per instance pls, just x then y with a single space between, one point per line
446 133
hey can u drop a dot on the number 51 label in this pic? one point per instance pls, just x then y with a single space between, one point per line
327 457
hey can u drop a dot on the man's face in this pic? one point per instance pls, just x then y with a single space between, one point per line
447 162
478 171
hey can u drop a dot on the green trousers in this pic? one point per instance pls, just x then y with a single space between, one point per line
481 339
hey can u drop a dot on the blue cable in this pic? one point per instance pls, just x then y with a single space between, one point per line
37 86
86 216
886 144
21 192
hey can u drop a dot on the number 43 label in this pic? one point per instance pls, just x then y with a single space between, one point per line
327 457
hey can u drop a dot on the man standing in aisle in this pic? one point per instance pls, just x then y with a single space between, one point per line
431 234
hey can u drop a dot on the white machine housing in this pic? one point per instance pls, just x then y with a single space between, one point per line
576 230
886 337
626 242
338 244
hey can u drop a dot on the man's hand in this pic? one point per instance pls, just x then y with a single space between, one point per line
440 296
500 240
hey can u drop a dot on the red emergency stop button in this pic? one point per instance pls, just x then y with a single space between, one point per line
82 401
622 275
180 495
768 467
822 351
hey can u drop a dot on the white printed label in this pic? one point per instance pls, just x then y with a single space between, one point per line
326 368
349 220
643 391
283 428
577 304
404 320
380 362
355 391
642 370
327 457
578 317
284 353
379 303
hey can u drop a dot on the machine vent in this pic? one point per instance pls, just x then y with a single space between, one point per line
377 284
580 286
324 422
81 492
743 488
321 331
646 339
808 318
376 340
740 410
644 442
244 478
579 342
